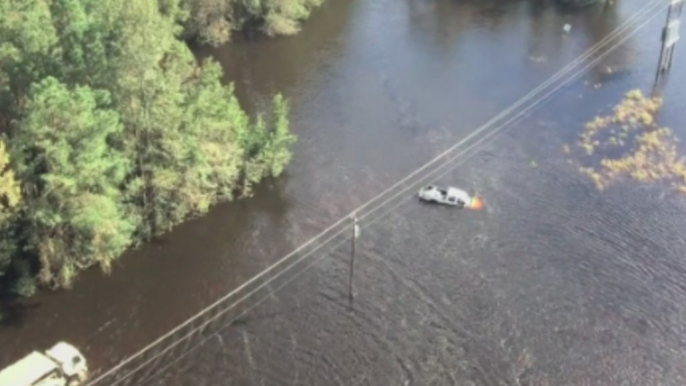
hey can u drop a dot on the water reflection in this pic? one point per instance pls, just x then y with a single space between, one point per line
261 66
445 24
601 21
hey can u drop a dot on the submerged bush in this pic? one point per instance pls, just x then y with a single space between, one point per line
25 287
213 21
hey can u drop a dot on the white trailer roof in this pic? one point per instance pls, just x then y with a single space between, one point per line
27 371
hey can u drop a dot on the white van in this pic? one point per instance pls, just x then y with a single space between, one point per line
62 365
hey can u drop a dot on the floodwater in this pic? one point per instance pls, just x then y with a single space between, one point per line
553 283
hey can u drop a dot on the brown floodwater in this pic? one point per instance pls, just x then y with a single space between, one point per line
553 283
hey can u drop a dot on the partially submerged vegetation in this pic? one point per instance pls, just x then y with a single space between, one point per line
628 144
113 134
213 21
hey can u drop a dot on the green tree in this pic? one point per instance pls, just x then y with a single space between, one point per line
26 40
267 146
280 139
10 197
71 179
215 122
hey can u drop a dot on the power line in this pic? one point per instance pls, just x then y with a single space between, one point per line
444 154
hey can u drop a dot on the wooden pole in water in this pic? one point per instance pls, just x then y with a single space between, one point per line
670 35
355 234
661 60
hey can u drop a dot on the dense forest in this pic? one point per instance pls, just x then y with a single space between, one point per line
112 133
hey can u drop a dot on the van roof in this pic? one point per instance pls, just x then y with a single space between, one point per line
27 370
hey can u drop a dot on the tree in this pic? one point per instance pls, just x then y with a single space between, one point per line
26 40
71 179
268 146
216 122
280 139
10 197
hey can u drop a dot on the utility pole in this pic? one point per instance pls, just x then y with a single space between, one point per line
355 235
670 35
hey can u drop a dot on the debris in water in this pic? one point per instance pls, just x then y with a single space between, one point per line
567 28
632 146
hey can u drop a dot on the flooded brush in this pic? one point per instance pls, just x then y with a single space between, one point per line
476 203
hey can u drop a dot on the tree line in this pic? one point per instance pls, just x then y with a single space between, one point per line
112 133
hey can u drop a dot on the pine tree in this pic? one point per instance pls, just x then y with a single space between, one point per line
71 179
